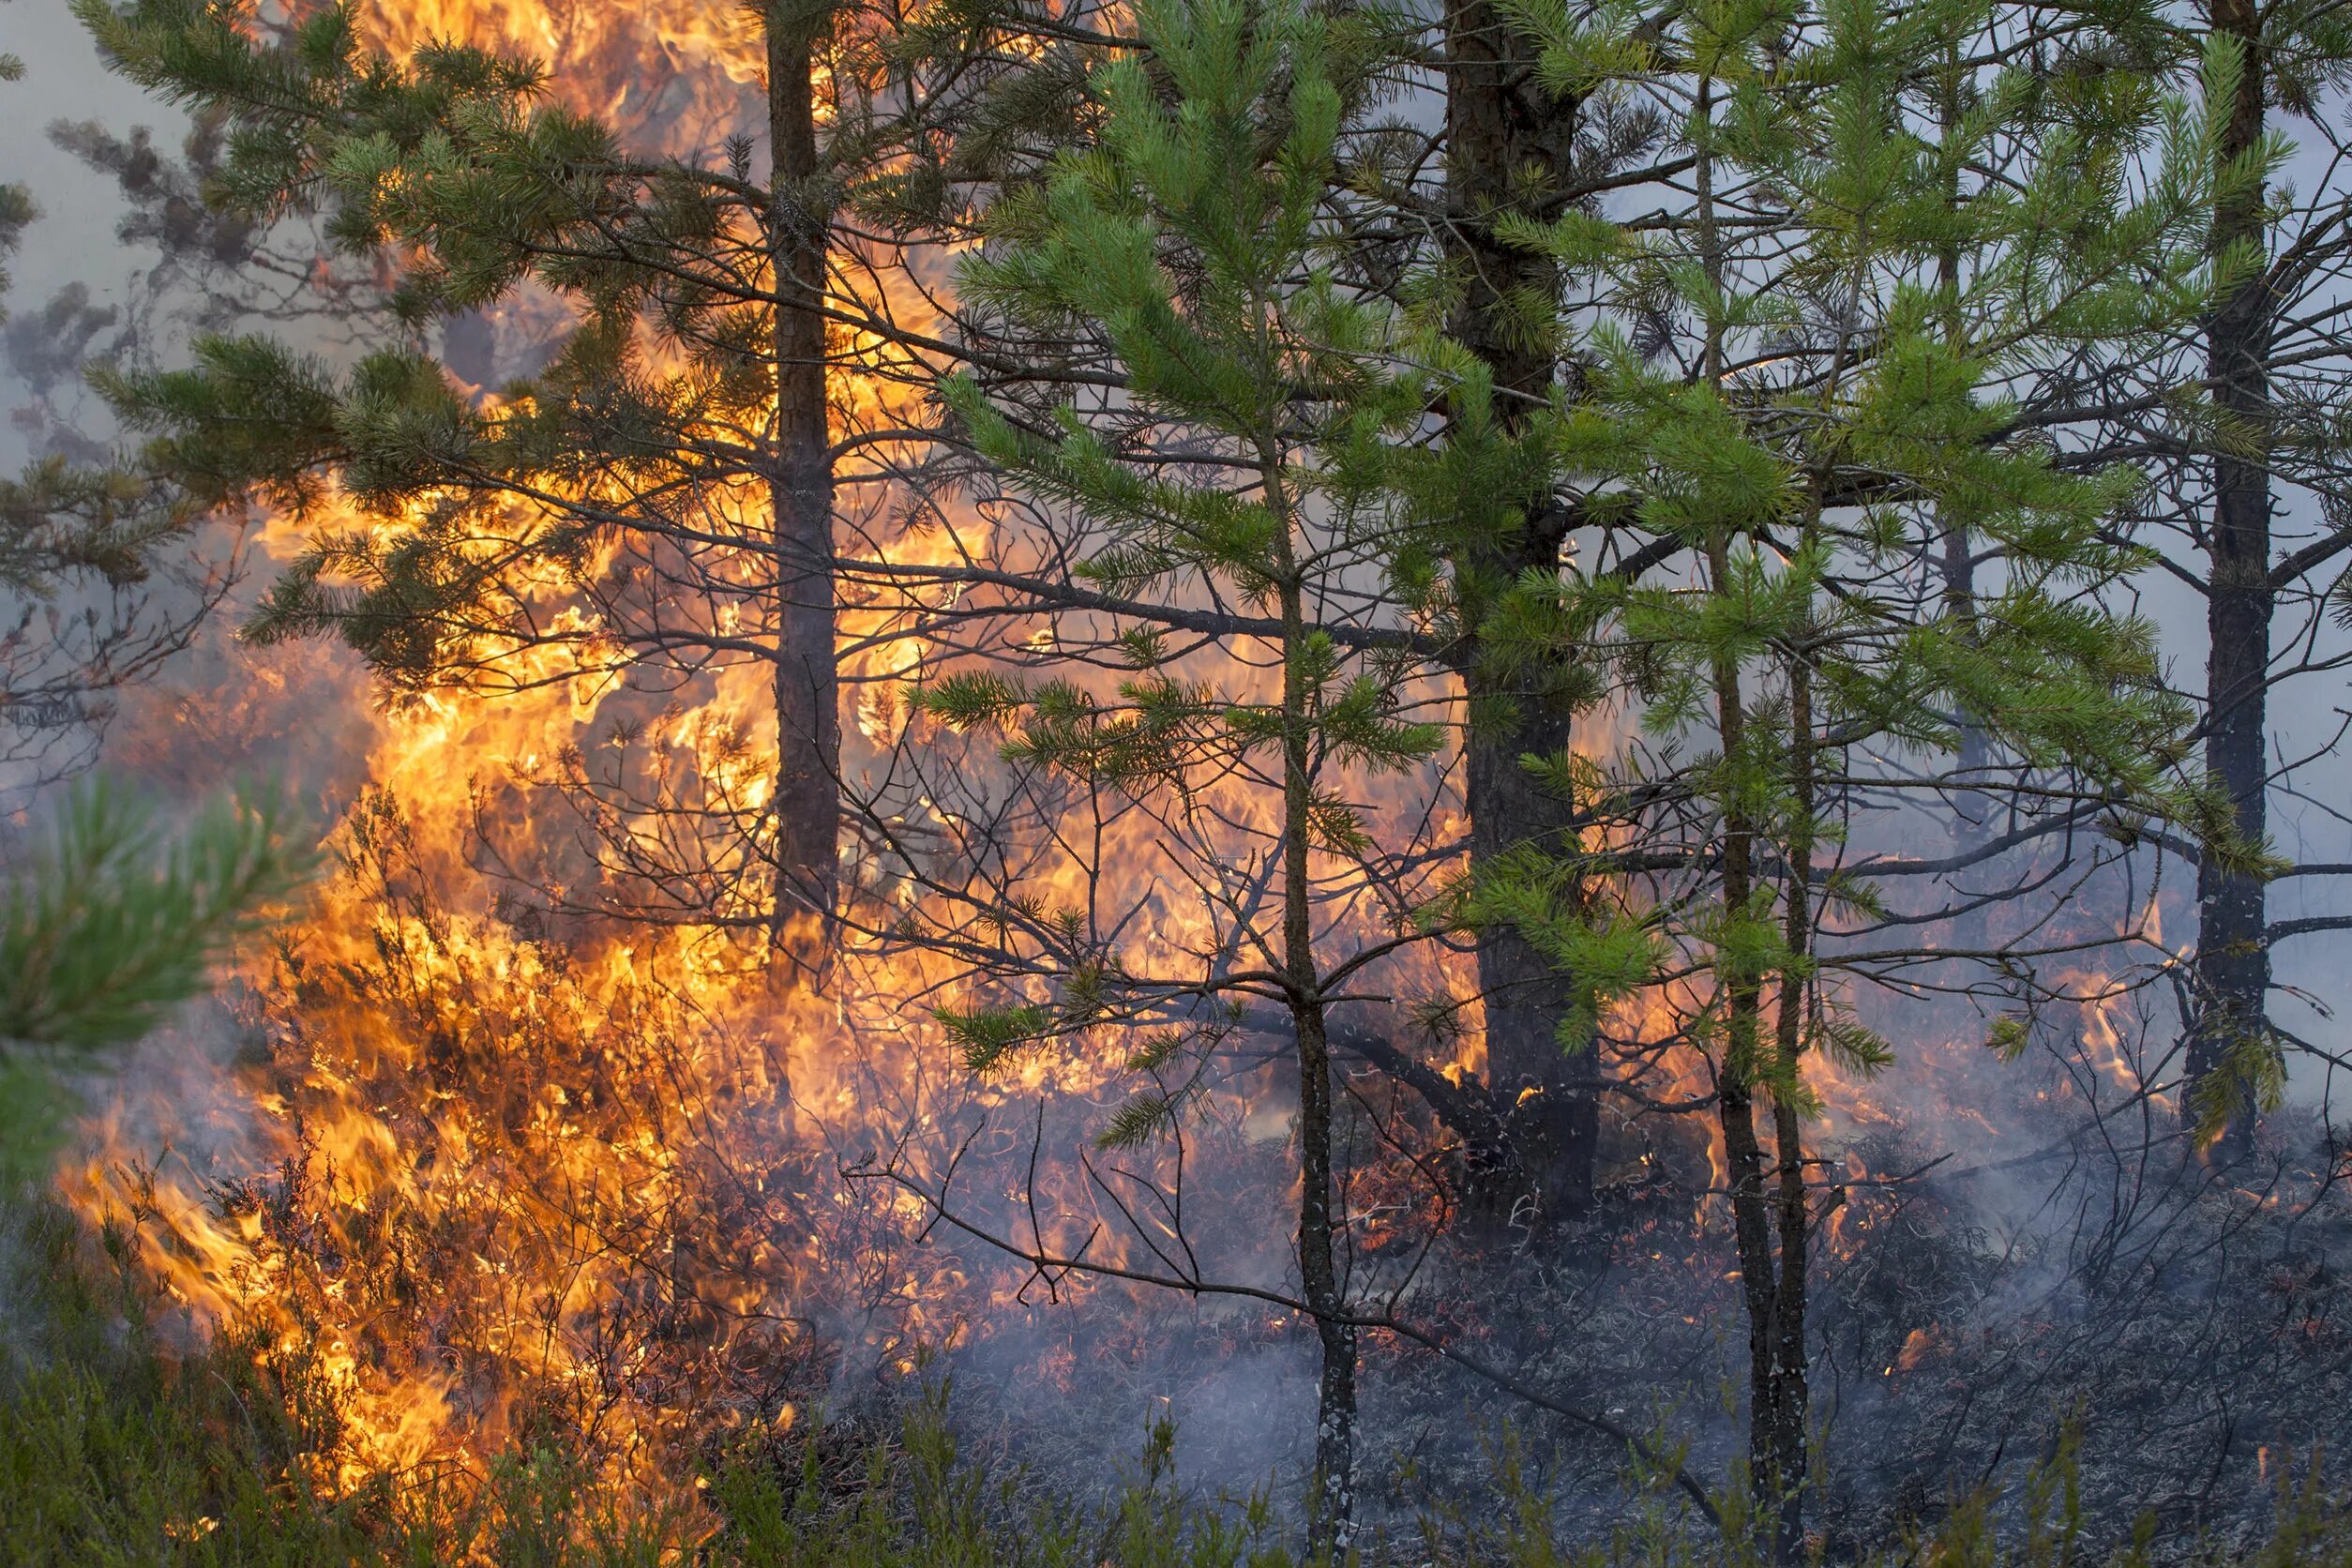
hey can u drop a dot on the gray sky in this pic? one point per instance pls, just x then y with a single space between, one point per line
63 78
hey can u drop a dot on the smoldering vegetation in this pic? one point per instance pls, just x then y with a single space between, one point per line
934 944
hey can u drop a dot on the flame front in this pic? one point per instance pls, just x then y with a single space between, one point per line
485 1170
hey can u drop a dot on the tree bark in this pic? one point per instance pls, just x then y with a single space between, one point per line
2232 964
1769 1215
1508 149
806 802
1783 1435
1334 1506
1970 826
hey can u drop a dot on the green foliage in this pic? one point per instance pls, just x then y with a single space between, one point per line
987 1035
968 700
455 165
36 1108
1192 241
1138 1121
461 538
2250 1070
17 211
61 525
1838 389
113 924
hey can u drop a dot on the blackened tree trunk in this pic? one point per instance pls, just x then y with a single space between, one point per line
1508 150
1318 1256
1771 1217
1334 1505
1779 1435
2233 966
1770 1226
806 804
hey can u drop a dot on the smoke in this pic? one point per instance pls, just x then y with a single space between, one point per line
2015 1247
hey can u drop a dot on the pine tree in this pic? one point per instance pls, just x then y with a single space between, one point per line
1429 194
1516 152
2233 947
1801 386
656 506
2268 428
1250 458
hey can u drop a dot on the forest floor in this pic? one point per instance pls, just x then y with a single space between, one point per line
120 1447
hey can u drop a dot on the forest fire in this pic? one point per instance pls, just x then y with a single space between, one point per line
1137 707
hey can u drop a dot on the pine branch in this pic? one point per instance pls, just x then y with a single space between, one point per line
114 923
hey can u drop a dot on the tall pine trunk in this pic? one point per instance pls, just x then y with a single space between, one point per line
1771 1217
1971 825
2233 967
1508 142
806 804
1334 1506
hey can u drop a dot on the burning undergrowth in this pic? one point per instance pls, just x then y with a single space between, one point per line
482 1170
527 1135
489 1187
